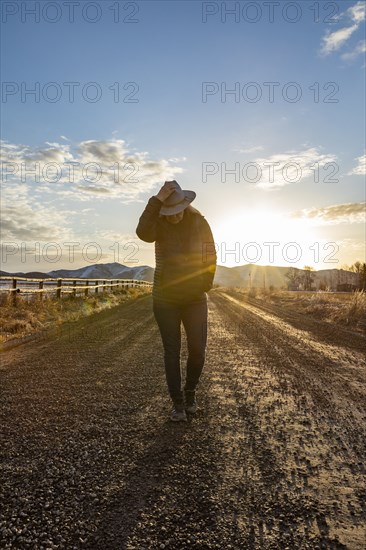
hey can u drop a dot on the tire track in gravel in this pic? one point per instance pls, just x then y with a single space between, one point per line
345 367
316 450
90 459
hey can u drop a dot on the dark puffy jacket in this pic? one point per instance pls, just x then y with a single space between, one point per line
185 254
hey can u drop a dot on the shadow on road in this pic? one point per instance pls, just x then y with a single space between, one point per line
142 490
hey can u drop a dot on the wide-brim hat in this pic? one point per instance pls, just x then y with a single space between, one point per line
177 201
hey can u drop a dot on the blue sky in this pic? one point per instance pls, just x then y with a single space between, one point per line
176 60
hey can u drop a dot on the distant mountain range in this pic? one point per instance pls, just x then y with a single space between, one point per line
245 276
95 271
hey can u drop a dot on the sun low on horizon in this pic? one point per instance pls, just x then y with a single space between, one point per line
266 237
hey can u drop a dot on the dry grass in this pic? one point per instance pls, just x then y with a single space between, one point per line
344 308
352 311
32 316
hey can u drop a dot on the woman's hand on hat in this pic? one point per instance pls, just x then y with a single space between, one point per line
166 190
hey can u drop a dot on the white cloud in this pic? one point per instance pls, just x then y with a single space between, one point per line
360 169
357 12
358 50
291 167
27 212
354 212
24 219
177 159
91 168
333 41
250 149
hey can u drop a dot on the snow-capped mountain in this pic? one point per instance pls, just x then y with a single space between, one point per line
113 270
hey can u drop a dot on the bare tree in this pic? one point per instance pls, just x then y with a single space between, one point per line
323 285
359 268
293 275
356 267
307 278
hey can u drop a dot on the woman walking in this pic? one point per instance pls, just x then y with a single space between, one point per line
185 258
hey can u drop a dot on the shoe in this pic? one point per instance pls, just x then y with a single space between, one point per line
178 414
190 403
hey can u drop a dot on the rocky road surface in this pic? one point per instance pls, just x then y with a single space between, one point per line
275 458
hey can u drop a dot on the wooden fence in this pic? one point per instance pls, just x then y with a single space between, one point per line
60 287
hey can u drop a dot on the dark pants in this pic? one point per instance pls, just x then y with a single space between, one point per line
194 318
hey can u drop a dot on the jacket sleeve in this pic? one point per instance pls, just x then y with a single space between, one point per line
146 228
209 255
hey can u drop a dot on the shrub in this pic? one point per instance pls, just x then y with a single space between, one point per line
356 307
35 314
252 293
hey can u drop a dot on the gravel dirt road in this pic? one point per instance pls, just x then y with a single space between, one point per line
275 459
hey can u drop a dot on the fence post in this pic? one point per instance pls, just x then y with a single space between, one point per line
103 286
96 287
86 287
14 293
74 288
58 292
41 293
